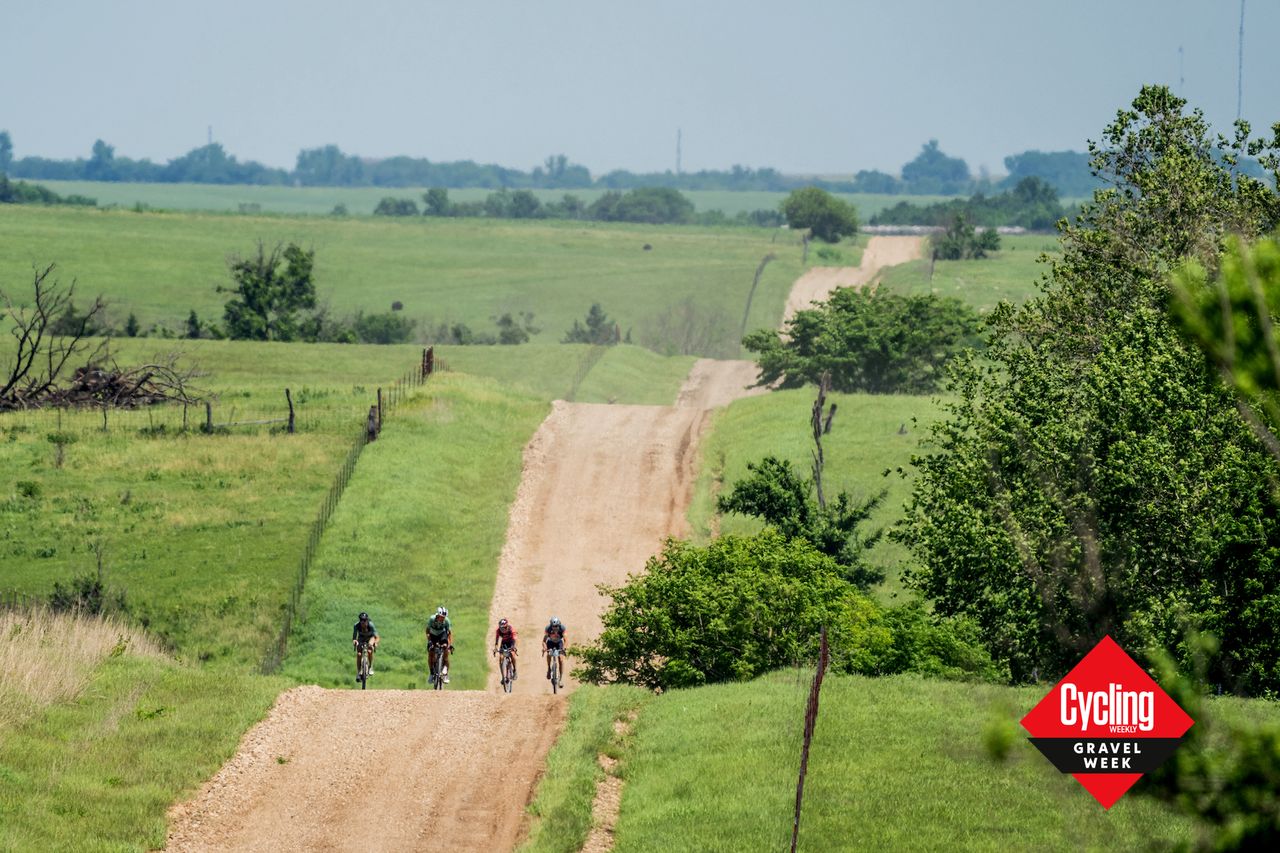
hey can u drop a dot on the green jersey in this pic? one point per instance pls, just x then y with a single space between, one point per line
439 630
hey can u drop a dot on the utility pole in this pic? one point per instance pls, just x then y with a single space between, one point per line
1240 68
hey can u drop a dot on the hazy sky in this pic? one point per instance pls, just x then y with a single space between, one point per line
806 86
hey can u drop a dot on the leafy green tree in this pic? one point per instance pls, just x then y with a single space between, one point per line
1066 171
742 606
827 217
131 327
436 202
515 329
773 492
328 166
6 151
101 165
391 206
882 344
388 328
962 241
596 329
1094 476
271 289
932 171
194 326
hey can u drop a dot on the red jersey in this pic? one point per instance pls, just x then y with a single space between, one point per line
499 637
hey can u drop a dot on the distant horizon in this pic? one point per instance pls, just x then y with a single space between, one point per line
822 87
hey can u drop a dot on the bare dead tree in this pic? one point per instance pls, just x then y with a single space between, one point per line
49 337
821 428
41 348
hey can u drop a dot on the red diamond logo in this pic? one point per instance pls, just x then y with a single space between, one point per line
1107 723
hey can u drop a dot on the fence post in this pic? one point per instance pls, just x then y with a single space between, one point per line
810 719
371 427
208 416
289 399
429 361
379 410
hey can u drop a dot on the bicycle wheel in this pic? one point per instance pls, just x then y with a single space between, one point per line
507 683
438 669
364 668
555 673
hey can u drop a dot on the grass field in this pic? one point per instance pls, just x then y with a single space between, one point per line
421 524
361 201
896 763
863 443
99 772
1011 274
689 290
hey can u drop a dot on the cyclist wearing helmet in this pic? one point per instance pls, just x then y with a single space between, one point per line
505 638
364 634
553 637
439 636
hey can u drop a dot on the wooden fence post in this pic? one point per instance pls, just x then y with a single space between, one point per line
371 427
429 361
380 410
810 721
208 416
289 399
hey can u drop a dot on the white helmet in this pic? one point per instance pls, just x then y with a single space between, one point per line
441 611
555 620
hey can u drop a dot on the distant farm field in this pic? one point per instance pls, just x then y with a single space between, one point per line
1011 274
360 201
685 293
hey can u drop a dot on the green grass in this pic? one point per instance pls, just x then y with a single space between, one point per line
562 808
162 265
361 201
863 443
99 773
422 523
896 763
1012 274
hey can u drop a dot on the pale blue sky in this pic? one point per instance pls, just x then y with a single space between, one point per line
807 86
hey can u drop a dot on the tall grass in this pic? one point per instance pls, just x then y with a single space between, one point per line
48 657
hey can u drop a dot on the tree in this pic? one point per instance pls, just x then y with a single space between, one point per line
131 327
328 166
1094 477
827 217
961 241
391 206
6 151
515 329
101 165
194 326
388 328
878 343
773 493
932 171
742 606
598 329
35 363
435 202
271 288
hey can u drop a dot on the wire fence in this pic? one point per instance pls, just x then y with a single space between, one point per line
384 404
14 600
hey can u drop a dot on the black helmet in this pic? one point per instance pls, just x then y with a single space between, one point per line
364 617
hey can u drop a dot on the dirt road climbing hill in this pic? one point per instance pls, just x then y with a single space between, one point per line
818 282
602 486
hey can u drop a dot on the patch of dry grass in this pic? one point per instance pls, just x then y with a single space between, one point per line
48 657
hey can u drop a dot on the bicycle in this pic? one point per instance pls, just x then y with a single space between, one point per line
507 669
437 668
364 657
556 675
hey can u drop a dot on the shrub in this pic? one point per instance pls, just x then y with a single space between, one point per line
390 206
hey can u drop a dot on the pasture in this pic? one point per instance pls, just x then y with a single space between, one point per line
1011 274
897 762
360 201
686 294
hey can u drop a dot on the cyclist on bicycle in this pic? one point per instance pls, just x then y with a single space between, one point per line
553 638
364 634
505 638
439 641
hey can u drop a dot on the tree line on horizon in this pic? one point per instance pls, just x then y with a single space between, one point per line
931 172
